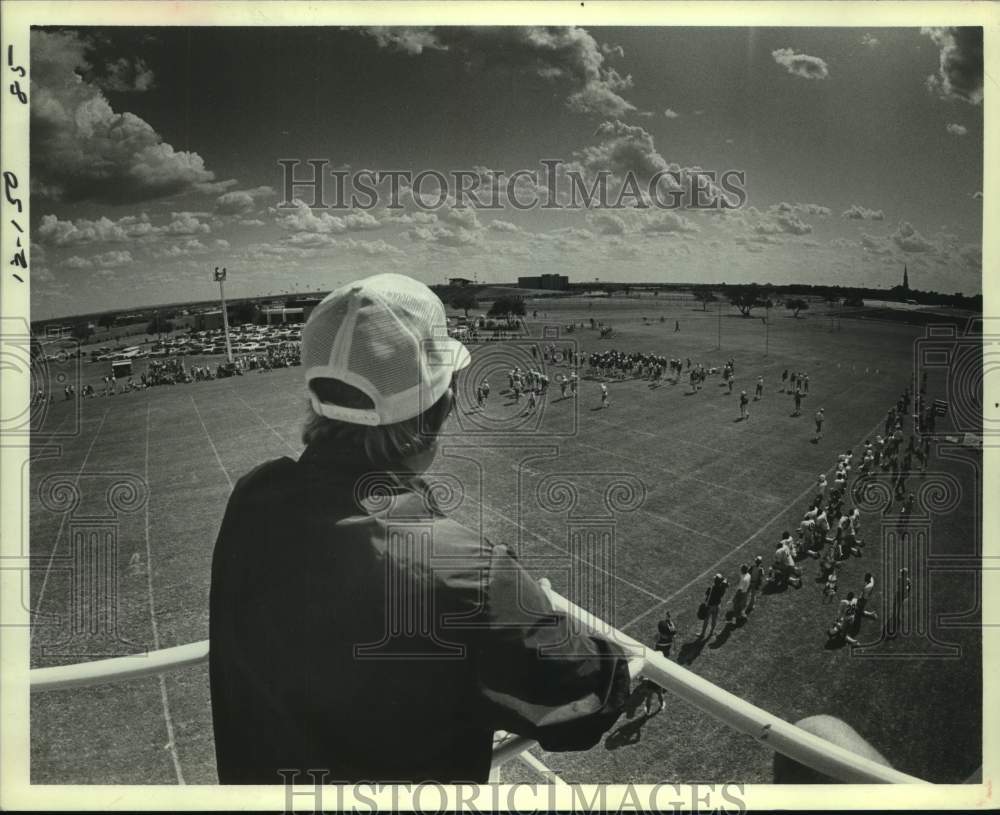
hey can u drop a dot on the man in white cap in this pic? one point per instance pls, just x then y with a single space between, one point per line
354 628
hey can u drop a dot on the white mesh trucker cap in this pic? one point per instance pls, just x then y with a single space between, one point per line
385 335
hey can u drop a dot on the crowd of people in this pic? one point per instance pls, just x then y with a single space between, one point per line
830 533
173 371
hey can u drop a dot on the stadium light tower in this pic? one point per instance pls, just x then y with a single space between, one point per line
220 276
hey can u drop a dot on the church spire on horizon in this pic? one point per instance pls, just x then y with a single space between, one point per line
906 279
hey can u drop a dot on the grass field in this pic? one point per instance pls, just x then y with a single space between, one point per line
717 491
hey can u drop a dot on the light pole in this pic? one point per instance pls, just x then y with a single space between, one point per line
220 276
718 344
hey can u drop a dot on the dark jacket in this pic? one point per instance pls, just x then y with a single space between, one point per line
713 594
376 639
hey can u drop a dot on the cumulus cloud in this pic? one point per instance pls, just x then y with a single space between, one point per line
565 53
623 148
869 41
629 150
956 129
783 217
445 236
126 75
406 39
787 208
370 248
607 224
665 222
498 225
600 96
361 220
875 244
574 233
909 240
82 149
304 219
112 259
978 195
464 217
241 202
671 114
960 63
856 212
186 223
792 224
801 65
52 231
182 249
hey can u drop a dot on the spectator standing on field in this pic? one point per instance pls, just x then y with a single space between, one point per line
867 590
756 581
665 633
740 597
819 424
712 601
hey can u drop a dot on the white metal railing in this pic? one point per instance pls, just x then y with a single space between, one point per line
777 734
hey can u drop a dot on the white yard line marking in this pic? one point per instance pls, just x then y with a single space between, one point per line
261 419
62 523
211 443
164 701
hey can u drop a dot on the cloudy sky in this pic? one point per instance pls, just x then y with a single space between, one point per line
155 155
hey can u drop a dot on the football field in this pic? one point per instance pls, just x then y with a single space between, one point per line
664 487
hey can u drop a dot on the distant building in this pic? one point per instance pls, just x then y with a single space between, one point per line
306 304
551 282
208 321
284 315
459 281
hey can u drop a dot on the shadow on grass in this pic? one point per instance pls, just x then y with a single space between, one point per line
629 733
690 651
722 637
